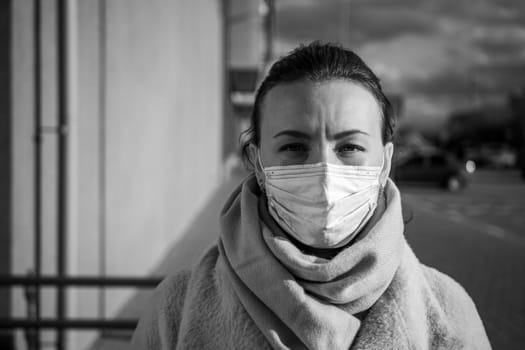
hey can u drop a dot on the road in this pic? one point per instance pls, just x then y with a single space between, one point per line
477 236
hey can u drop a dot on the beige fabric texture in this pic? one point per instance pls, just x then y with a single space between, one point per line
256 290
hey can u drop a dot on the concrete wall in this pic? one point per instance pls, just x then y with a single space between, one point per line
150 154
5 161
21 169
146 135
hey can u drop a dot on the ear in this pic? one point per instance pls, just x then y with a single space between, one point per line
387 165
253 156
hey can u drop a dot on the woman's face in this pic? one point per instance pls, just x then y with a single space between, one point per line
337 122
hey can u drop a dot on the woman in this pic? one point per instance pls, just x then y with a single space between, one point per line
311 253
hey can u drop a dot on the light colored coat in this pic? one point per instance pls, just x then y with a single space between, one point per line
210 308
421 309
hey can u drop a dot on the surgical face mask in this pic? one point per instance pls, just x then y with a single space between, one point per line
321 205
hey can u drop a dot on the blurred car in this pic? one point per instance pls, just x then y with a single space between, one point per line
435 167
493 155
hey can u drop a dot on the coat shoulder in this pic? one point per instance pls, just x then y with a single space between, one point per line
162 313
170 295
458 307
171 292
448 292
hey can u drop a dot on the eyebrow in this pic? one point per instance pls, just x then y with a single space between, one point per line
303 135
294 133
346 133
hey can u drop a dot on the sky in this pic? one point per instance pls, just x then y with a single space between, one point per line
440 55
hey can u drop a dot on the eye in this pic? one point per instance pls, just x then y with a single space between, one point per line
293 147
349 149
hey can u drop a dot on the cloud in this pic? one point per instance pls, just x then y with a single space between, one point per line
332 20
459 85
501 43
488 12
416 58
297 21
386 23
510 76
436 53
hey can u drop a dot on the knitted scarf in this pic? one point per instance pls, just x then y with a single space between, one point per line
302 301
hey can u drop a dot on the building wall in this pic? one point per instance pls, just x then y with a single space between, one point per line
163 109
145 140
21 168
5 161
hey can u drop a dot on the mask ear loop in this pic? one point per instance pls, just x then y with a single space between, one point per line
259 173
382 185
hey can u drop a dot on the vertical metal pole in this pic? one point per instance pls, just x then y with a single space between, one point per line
269 20
37 10
102 153
62 163
228 120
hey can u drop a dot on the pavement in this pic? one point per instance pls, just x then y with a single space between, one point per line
476 236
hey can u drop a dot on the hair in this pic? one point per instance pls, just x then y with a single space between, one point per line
317 62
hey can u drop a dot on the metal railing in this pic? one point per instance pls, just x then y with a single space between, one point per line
33 324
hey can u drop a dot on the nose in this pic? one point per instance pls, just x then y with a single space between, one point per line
324 153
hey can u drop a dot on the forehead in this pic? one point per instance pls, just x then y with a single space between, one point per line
333 106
